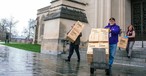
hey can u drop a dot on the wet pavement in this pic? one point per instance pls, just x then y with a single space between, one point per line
17 62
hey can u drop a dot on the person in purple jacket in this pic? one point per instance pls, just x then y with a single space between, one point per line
114 31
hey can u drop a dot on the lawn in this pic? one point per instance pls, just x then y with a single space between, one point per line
29 47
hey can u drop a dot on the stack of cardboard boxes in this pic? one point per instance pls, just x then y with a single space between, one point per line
98 39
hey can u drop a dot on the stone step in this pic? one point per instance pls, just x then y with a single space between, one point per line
138 56
138 60
138 44
135 51
130 62
135 54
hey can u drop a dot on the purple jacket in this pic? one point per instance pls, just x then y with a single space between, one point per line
113 35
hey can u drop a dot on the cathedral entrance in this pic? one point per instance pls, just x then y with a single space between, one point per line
139 18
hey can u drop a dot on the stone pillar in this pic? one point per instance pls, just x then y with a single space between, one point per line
106 12
98 12
127 14
62 15
51 43
91 11
103 12
36 32
121 10
122 14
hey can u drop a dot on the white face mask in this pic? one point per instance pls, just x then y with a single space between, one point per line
112 22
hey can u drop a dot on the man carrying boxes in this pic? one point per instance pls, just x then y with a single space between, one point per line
104 38
74 37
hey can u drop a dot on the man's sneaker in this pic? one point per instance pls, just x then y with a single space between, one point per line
78 60
67 60
108 72
129 57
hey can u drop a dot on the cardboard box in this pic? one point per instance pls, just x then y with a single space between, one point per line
89 58
78 26
72 35
99 34
75 31
97 45
123 42
107 58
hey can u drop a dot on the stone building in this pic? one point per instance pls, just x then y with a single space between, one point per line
54 21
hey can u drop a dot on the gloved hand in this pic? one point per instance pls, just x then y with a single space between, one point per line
125 36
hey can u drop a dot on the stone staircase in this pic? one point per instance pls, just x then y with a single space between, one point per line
138 57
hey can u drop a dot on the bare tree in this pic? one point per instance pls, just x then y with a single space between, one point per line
29 31
7 24
25 32
3 28
14 33
11 24
31 26
4 22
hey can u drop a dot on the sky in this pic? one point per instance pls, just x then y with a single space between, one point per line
21 10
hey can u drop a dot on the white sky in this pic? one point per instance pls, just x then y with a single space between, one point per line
21 10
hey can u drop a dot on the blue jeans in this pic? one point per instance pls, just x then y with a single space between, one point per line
129 47
112 52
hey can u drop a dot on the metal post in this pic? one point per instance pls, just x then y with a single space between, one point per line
142 23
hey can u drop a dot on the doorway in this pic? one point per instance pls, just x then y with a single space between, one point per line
139 18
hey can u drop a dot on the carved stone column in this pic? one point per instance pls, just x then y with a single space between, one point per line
106 12
121 10
98 12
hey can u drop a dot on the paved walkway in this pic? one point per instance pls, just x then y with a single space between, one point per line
16 62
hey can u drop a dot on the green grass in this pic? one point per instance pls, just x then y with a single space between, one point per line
29 47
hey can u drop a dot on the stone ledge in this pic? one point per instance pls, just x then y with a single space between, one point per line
66 13
54 1
77 2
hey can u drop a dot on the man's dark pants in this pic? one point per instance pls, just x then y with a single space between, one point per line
71 51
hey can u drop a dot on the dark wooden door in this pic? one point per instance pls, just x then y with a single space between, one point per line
139 18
